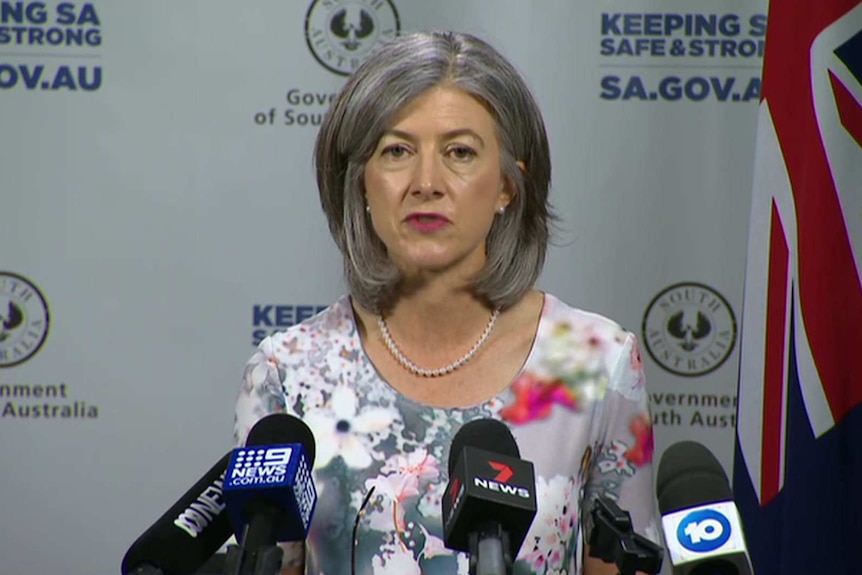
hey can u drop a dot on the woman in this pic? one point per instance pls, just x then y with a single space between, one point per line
433 169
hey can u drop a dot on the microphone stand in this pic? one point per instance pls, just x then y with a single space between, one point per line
255 556
489 550
613 540
145 569
266 560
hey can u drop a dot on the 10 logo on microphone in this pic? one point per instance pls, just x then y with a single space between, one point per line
703 531
706 530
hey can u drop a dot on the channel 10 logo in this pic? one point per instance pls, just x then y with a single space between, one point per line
703 531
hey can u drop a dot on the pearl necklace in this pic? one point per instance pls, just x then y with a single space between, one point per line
421 371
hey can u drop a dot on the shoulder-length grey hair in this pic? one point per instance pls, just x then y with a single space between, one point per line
391 77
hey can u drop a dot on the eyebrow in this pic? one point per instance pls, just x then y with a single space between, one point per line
451 134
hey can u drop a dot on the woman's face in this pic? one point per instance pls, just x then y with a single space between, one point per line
434 184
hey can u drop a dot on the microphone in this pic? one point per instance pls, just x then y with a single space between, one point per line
269 491
701 524
613 540
188 533
490 500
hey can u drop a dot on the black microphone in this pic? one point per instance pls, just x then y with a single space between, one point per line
490 501
269 492
701 524
188 534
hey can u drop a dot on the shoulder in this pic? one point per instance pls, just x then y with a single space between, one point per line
595 340
585 329
330 331
333 326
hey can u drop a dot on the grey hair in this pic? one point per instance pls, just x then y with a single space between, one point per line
395 74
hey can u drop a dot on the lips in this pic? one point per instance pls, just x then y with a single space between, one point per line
426 221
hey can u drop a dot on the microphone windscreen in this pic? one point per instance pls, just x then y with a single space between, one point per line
689 475
281 428
487 434
187 534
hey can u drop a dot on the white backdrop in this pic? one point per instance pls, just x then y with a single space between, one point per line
156 189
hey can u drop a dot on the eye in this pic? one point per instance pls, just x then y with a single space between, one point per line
395 151
461 153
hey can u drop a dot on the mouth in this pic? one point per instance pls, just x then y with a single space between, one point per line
426 221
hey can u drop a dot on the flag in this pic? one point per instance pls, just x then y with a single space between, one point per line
798 461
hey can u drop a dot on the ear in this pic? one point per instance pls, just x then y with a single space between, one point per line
509 189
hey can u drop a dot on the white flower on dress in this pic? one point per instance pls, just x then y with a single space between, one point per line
463 564
433 545
546 542
430 503
395 561
573 347
379 519
340 431
262 365
395 486
613 459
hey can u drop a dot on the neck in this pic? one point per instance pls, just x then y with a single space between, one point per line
432 324
435 347
453 317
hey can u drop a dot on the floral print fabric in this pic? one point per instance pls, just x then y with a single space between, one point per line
577 410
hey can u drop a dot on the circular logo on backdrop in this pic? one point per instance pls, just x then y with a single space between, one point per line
703 531
689 329
23 319
341 33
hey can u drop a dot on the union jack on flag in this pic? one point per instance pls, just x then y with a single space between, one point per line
798 463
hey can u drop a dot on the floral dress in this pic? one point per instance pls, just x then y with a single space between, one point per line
577 410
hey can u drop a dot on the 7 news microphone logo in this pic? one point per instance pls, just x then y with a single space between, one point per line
703 531
500 483
505 472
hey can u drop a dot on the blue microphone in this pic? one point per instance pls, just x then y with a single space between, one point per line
268 489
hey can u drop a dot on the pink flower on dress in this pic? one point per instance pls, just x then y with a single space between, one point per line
535 398
395 487
419 464
642 452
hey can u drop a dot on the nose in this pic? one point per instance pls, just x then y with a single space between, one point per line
428 176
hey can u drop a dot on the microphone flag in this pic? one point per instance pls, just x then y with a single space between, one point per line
276 473
487 486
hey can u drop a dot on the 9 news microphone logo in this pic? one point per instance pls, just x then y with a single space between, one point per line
304 492
277 473
703 531
260 466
